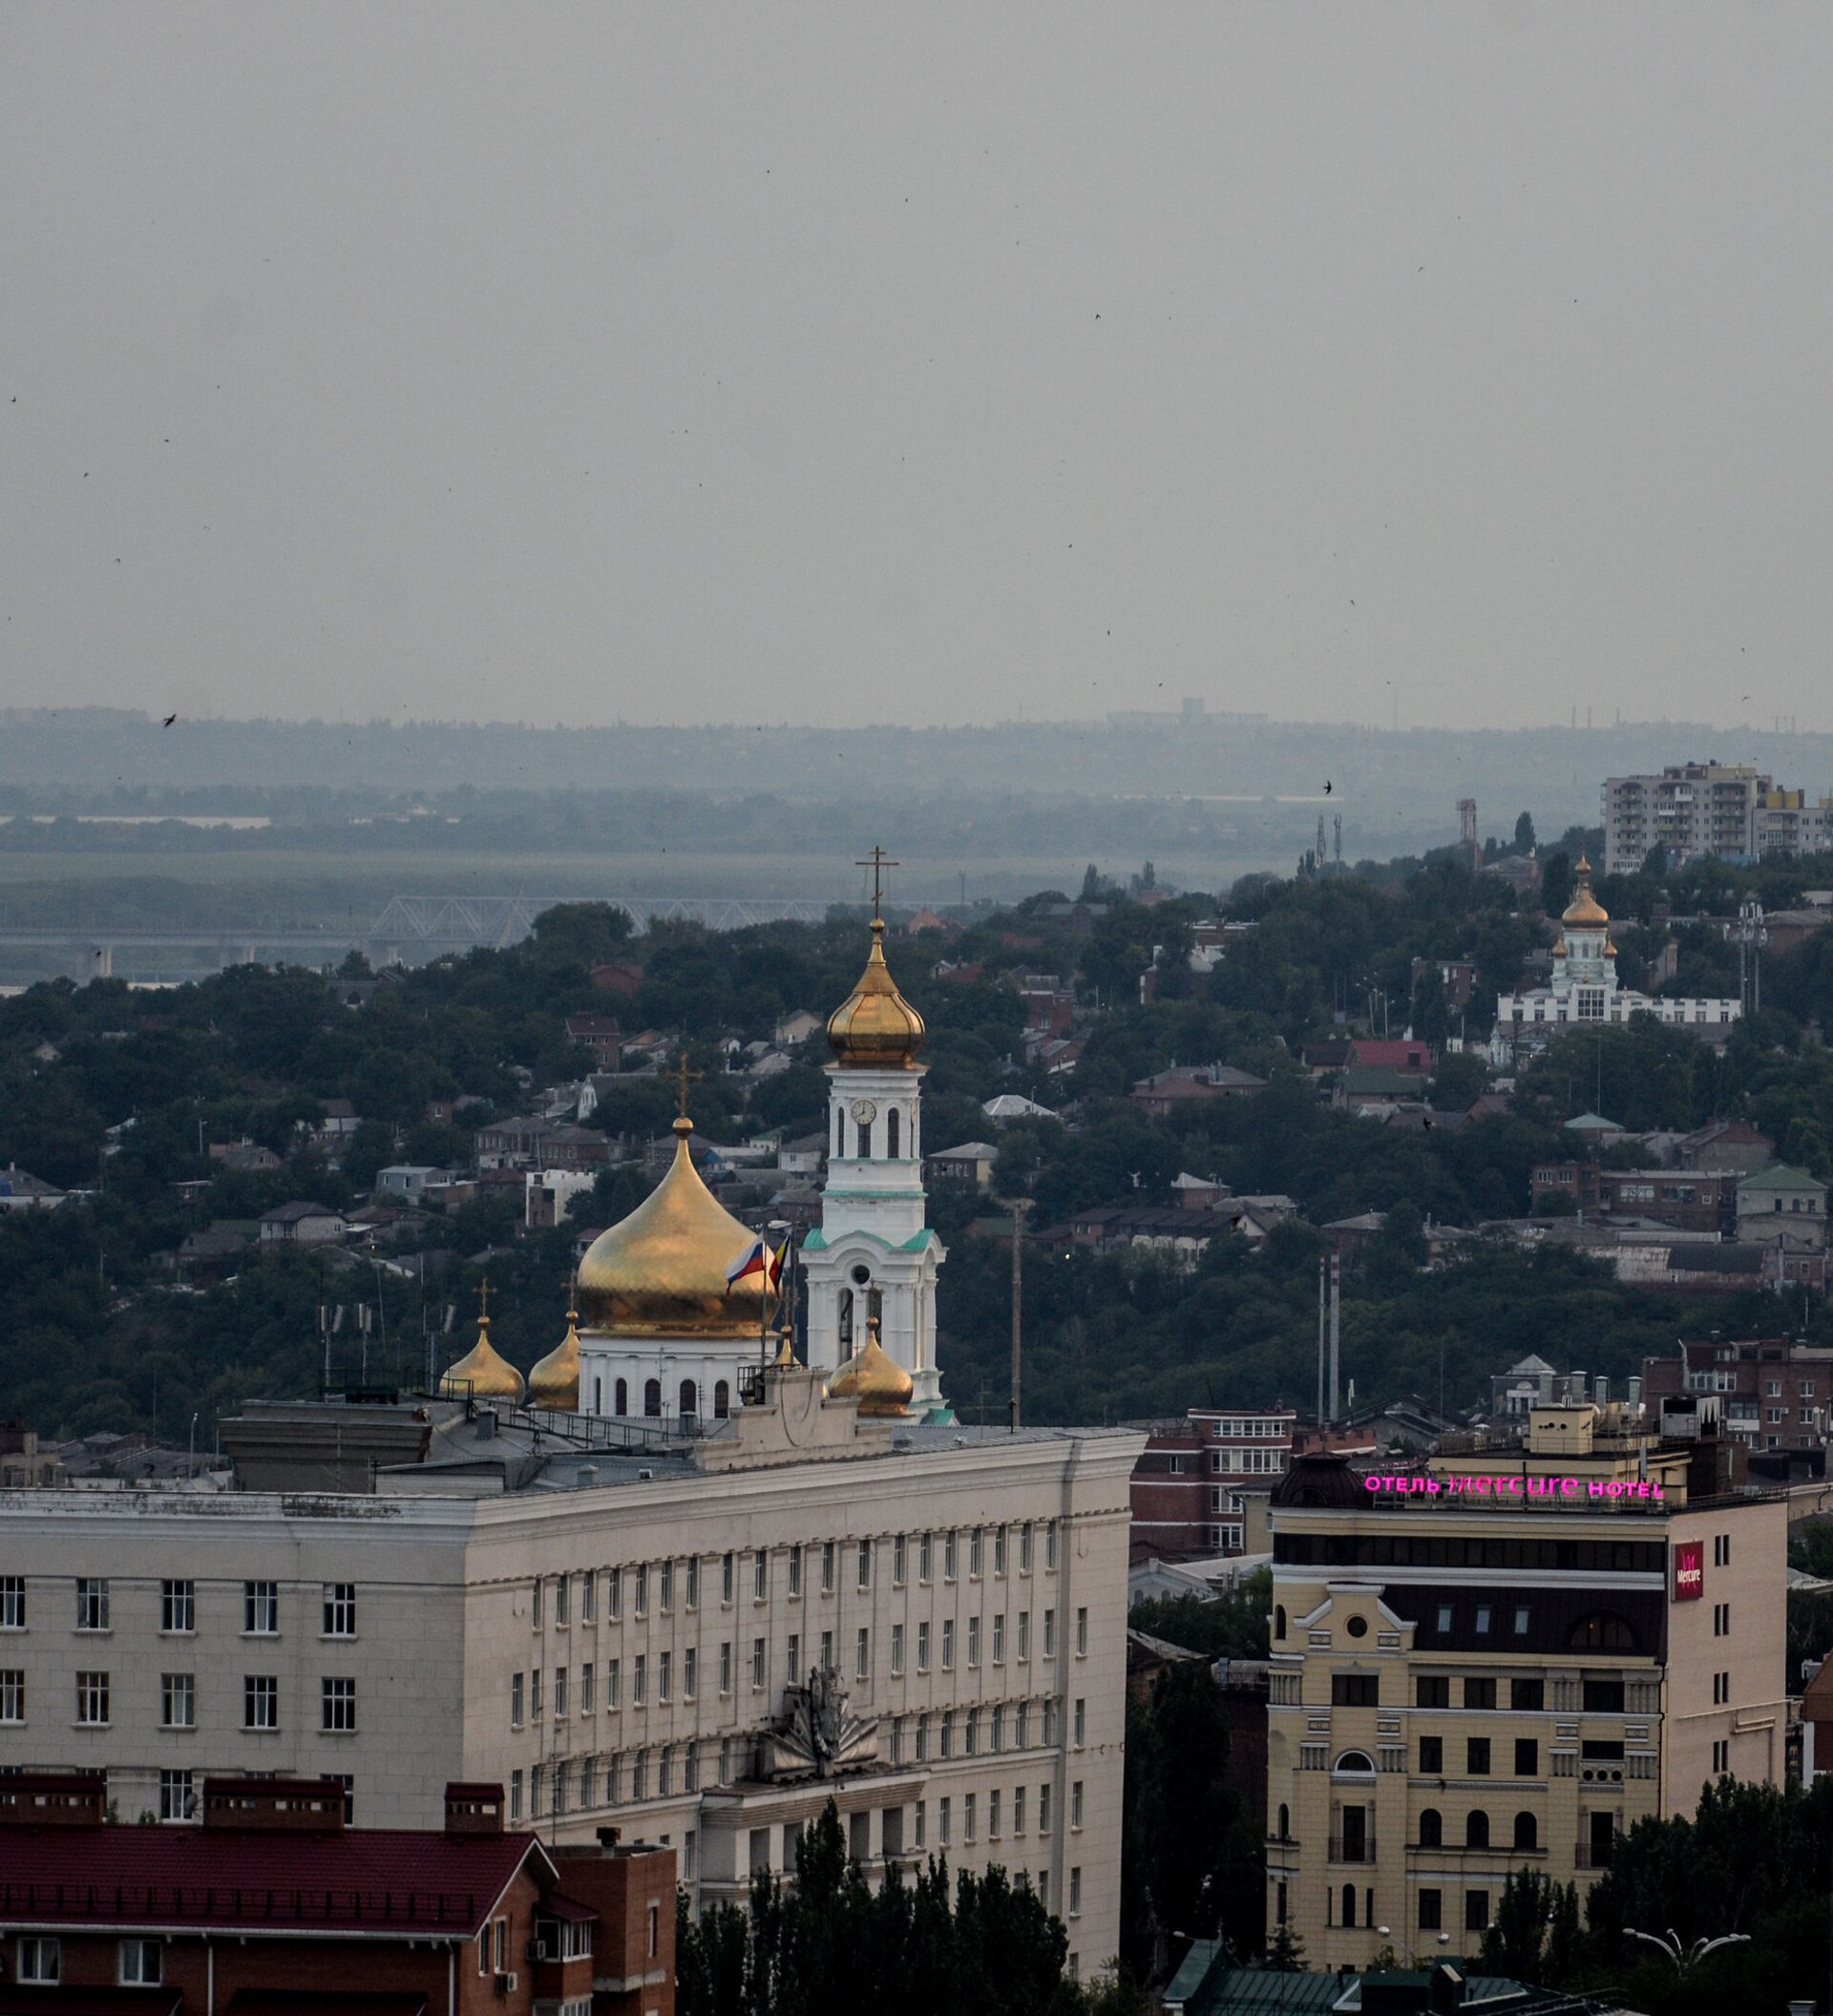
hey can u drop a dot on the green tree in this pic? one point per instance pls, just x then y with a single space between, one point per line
1524 834
1534 1934
1285 1951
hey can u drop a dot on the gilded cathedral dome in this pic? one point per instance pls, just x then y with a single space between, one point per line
483 1373
662 1271
554 1381
873 1378
1584 910
874 1028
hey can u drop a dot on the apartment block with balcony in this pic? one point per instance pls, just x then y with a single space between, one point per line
1201 1485
1507 1670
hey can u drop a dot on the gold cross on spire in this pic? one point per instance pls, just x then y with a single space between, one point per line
682 1079
877 861
483 1301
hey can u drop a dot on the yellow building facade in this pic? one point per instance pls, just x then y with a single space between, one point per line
1503 1660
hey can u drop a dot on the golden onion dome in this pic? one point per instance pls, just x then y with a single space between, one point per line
1585 909
1559 947
873 1378
874 1028
554 1381
482 1373
662 1271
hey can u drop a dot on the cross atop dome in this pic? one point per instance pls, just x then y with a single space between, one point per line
877 861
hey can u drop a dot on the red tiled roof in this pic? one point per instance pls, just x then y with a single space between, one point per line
368 1879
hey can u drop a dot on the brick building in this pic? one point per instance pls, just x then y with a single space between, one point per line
1773 1393
1200 1486
1689 1200
272 1901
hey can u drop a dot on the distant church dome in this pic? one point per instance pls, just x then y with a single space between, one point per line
874 1028
1584 910
662 1271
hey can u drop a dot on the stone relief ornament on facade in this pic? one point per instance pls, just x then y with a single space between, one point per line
817 1738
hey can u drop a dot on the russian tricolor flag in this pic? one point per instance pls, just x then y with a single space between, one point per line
753 1260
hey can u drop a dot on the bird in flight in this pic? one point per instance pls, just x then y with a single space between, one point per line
168 721
1327 787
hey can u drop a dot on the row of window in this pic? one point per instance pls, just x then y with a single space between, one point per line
178 1606
179 1700
579 1783
38 1961
1597 1631
1600 1693
528 1696
827 1565
1456 1550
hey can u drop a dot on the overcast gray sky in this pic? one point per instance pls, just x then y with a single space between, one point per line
929 363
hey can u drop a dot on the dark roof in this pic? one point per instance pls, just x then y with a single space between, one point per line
1318 1480
292 1213
372 1878
1704 1259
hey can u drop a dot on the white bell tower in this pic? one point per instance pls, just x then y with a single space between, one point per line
873 1253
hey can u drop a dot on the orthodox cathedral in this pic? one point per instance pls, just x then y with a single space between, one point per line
663 1331
1583 990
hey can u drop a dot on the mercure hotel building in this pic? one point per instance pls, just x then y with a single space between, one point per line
1504 1658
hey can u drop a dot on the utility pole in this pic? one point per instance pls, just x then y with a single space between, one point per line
1336 1332
1020 1206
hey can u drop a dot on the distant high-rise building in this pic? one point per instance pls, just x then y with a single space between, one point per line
1729 810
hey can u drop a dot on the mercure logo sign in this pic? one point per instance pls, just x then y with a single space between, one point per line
1689 1571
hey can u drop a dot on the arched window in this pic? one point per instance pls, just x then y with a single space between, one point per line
1431 1828
846 1317
840 1132
622 1397
1285 1823
690 1401
652 1398
1527 1831
598 1394
1355 1764
865 1141
1476 1829
1349 1905
722 1400
1605 1631
1279 1620
892 1127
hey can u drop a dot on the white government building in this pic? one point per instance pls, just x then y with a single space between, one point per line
1583 991
695 1629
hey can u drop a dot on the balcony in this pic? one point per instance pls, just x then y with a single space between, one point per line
1592 1855
1352 1848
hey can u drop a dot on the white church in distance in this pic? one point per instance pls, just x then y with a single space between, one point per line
1583 991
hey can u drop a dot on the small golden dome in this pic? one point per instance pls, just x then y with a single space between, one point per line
874 1378
1559 947
874 1028
555 1379
662 1273
1585 909
483 1373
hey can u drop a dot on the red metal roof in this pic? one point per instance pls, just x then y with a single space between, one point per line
372 1880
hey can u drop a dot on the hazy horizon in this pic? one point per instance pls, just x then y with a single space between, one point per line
1459 365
